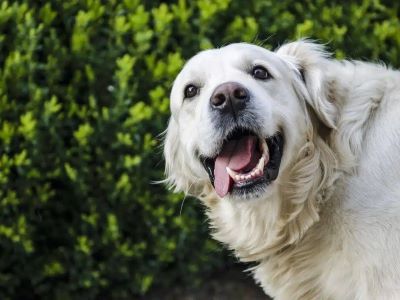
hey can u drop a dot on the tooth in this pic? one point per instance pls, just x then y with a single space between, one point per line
260 164
231 173
264 147
237 177
243 177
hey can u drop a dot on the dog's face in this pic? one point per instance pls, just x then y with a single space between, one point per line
239 118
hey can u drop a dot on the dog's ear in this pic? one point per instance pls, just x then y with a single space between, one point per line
174 160
311 60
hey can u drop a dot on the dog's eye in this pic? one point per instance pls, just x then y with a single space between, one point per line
191 91
260 72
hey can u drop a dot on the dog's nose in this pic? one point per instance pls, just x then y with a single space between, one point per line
229 97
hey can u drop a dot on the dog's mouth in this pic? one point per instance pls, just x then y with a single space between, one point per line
245 162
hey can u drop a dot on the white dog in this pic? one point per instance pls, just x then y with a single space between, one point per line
297 159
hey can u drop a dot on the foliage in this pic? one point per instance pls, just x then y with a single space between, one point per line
83 96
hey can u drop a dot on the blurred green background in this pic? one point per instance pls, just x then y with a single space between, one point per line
84 90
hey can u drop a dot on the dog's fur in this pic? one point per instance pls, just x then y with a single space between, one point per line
329 226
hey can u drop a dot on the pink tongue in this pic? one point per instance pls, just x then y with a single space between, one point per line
237 155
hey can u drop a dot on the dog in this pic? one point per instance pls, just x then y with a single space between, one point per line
296 157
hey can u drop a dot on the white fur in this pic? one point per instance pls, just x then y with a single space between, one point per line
329 226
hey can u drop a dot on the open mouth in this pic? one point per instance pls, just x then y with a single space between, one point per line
245 162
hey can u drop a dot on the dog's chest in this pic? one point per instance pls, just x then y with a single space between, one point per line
317 268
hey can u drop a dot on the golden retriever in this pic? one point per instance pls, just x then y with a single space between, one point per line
297 158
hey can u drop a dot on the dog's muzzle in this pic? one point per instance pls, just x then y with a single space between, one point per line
246 162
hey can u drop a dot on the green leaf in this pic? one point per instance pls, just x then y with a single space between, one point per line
27 125
82 134
71 172
52 106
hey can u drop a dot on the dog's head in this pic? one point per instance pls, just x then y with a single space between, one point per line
248 131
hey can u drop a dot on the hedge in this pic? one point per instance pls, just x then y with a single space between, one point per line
84 90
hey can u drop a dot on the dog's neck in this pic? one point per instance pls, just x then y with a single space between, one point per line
279 233
276 230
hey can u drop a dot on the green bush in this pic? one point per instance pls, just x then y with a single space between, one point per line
83 98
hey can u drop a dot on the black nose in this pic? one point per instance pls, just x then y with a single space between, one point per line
229 97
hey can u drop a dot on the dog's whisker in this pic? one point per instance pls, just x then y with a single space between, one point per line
182 203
